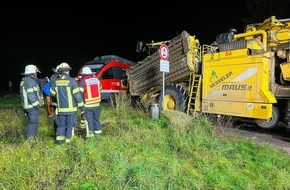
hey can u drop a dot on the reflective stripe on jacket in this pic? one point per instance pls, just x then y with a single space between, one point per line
67 93
30 92
91 88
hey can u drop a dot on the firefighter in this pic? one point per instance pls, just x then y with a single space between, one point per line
31 99
91 87
69 98
51 100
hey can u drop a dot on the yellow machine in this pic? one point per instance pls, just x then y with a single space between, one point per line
246 75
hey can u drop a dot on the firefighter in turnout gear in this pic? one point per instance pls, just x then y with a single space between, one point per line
51 100
31 99
69 98
91 87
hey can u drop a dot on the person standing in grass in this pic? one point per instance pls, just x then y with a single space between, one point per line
31 99
51 100
91 87
69 98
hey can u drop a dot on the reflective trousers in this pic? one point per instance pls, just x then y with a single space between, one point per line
32 122
65 125
93 118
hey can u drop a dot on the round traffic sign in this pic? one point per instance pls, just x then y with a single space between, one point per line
164 52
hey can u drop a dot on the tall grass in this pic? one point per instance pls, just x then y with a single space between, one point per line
135 152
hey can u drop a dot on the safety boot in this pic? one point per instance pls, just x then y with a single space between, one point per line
60 140
98 131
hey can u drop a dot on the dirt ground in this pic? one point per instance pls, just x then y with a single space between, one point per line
278 138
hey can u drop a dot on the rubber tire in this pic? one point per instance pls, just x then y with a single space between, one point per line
271 123
178 94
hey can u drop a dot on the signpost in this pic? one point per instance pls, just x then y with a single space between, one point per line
10 86
164 67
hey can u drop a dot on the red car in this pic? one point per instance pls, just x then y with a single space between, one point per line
111 71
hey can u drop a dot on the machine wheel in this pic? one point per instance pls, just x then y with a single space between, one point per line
175 98
287 117
270 123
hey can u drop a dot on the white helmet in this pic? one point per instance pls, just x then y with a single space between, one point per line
55 70
64 67
87 71
30 69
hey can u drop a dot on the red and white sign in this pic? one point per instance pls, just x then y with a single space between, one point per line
164 52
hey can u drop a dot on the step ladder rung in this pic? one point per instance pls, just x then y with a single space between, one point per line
193 87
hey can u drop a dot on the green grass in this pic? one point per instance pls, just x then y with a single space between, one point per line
135 152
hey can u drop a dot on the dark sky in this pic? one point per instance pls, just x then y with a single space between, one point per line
48 35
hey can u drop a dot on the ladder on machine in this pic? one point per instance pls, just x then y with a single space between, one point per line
194 89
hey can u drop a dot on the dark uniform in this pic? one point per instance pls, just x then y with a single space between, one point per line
69 98
51 100
31 99
91 88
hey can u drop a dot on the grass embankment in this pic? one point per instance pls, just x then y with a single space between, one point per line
135 152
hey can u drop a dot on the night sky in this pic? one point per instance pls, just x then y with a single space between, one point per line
48 35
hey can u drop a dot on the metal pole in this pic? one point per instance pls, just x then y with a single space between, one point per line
163 91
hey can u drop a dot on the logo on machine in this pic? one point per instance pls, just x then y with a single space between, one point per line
213 77
235 87
215 80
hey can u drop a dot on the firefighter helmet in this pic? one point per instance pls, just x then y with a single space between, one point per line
55 70
87 71
30 69
64 67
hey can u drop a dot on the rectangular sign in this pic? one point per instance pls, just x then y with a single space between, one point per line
164 66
